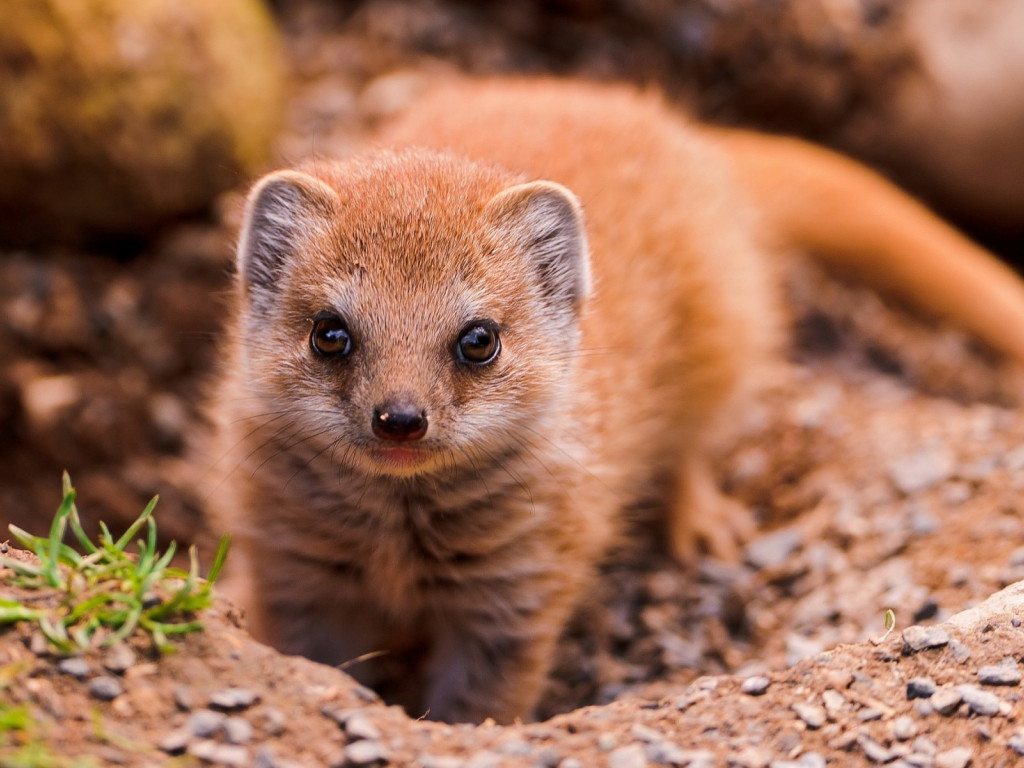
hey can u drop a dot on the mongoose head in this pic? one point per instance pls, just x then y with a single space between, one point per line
409 313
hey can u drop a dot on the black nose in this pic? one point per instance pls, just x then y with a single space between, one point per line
399 421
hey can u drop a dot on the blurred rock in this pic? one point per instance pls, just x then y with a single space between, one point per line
118 115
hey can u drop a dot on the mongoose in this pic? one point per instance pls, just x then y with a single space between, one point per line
456 359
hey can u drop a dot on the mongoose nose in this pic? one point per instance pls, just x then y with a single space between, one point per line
399 421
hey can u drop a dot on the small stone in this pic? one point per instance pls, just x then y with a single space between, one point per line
546 758
632 756
1006 672
265 758
773 549
219 754
119 659
806 760
812 715
904 728
237 730
74 666
961 652
441 761
175 742
834 702
921 687
644 733
919 471
870 714
205 723
366 753
958 757
756 685
1016 743
513 746
570 762
184 698
273 721
105 688
980 702
232 699
750 757
945 700
484 759
698 758
606 742
918 638
359 727
39 645
925 746
664 752
874 751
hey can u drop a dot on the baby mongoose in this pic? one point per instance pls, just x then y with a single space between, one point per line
455 361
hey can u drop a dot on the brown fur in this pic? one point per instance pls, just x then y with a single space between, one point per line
470 554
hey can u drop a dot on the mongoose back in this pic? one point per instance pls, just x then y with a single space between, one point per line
456 360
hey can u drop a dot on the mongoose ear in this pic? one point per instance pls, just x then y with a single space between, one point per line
281 208
545 220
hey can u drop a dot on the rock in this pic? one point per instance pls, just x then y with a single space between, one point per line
205 723
359 727
773 549
917 472
219 754
175 742
920 687
632 756
119 115
105 688
980 702
119 658
874 751
756 685
237 730
1016 743
1006 672
233 699
958 757
366 753
961 652
904 728
811 714
918 638
946 700
75 666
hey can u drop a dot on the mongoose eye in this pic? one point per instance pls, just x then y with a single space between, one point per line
330 336
478 344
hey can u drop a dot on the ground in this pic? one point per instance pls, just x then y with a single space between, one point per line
884 465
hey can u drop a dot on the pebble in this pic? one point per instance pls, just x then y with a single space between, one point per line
1006 672
359 727
184 698
440 761
904 728
918 638
119 659
756 685
514 747
632 756
751 757
961 652
870 714
273 721
812 715
834 702
366 753
664 752
1016 743
921 687
773 549
205 723
219 754
874 751
981 702
105 688
958 757
75 666
946 700
237 730
231 699
806 760
175 742
606 742
919 471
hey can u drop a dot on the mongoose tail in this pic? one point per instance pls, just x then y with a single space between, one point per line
856 221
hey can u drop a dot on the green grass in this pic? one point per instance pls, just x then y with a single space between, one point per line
104 593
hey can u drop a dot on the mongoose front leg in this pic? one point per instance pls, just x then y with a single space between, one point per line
700 514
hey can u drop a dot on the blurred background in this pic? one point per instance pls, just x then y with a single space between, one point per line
130 129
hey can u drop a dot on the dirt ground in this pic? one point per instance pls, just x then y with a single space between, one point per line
884 465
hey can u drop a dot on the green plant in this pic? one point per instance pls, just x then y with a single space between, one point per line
104 593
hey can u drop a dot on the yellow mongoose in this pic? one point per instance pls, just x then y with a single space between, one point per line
449 371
